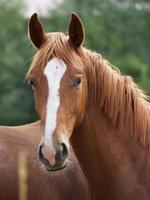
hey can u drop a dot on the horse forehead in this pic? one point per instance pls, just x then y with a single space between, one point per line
54 71
55 68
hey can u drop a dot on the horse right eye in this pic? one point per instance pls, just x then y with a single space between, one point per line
32 83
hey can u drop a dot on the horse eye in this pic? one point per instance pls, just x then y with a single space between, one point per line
76 82
32 83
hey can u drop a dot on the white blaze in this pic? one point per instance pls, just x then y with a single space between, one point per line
54 72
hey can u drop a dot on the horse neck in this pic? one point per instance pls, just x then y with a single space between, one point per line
106 155
106 151
93 138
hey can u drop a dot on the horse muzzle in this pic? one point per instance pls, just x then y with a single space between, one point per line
60 157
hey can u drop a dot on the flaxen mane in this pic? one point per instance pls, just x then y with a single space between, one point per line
119 97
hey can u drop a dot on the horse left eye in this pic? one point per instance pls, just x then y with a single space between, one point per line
76 82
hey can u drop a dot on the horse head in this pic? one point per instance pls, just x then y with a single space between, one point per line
59 82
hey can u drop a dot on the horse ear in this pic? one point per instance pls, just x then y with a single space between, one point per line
76 31
36 32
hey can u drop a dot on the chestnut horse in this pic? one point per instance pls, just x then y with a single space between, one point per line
22 178
85 101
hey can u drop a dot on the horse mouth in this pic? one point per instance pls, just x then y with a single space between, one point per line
55 167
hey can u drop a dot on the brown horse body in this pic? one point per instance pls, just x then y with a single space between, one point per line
64 185
116 165
104 114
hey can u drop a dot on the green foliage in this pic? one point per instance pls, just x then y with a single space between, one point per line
16 104
119 30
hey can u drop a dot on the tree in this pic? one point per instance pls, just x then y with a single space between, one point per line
16 104
120 33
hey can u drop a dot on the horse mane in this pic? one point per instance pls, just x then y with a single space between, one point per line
117 95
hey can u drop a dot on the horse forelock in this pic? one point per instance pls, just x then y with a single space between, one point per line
57 45
119 97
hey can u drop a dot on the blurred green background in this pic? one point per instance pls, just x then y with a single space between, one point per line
119 30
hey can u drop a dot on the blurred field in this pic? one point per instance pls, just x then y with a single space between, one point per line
119 30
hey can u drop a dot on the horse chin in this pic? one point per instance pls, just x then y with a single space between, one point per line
55 167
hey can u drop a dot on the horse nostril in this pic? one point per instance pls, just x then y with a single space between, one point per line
62 153
41 156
